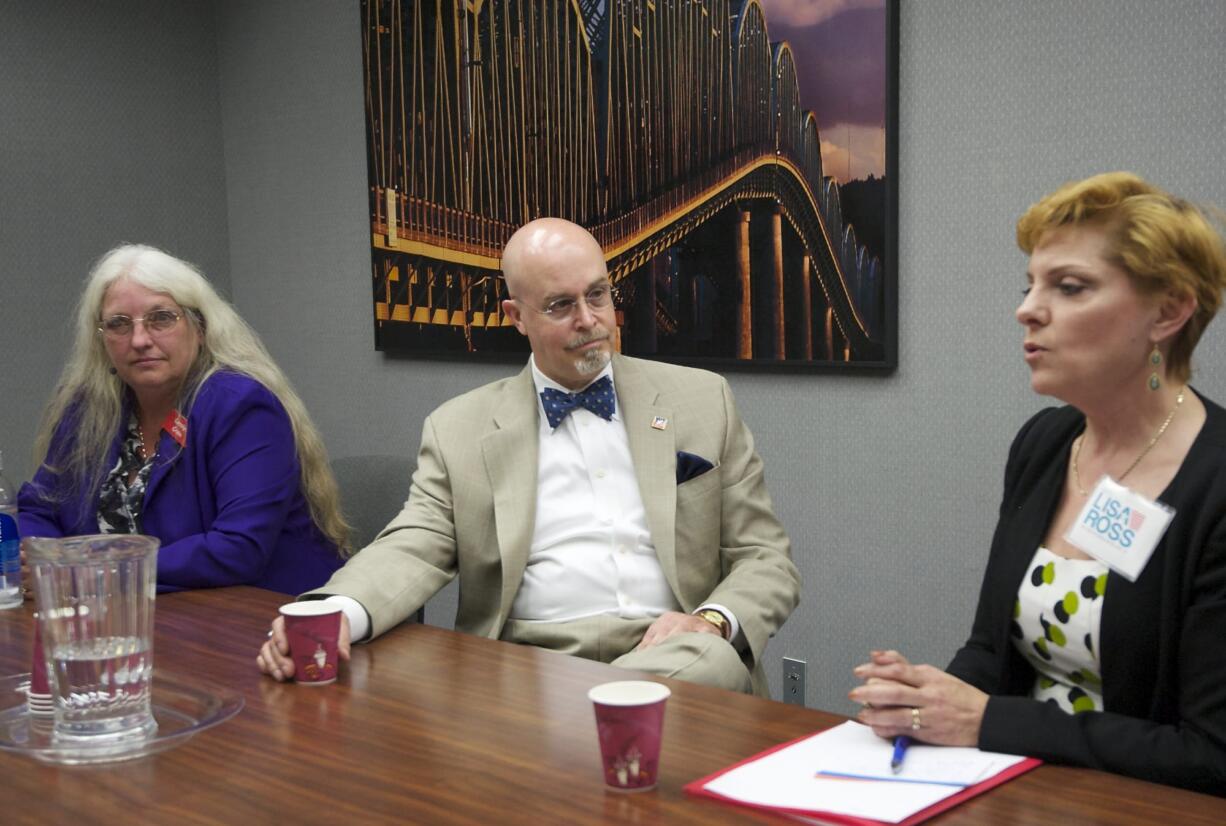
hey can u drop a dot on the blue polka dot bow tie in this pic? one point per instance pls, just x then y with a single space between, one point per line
597 397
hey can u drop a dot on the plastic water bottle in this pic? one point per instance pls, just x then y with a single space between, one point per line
10 544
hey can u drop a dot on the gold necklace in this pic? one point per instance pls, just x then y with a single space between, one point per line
1136 461
142 451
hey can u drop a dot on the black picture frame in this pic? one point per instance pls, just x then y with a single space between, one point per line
660 126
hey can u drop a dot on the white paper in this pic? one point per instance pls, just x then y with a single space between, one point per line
802 776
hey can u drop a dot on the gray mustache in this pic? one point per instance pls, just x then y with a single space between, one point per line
595 335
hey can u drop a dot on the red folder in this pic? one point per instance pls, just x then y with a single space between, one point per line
697 788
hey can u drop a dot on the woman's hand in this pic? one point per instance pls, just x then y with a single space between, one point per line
898 697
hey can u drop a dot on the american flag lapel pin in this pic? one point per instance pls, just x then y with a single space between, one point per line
659 423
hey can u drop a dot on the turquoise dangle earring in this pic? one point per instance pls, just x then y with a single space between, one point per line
1155 359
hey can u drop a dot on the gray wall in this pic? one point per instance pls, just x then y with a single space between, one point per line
110 132
887 486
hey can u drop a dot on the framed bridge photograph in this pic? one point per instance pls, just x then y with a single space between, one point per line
736 160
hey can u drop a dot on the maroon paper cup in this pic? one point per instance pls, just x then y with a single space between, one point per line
630 723
39 701
313 628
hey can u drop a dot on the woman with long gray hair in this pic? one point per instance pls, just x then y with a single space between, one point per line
171 419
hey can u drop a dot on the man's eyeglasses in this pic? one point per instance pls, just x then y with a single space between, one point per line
562 309
155 322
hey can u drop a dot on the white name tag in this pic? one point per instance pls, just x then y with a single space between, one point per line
1119 527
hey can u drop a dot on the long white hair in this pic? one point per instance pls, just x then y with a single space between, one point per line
92 395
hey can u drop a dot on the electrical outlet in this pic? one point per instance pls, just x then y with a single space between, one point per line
793 681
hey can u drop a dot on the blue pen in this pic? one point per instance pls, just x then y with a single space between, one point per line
900 751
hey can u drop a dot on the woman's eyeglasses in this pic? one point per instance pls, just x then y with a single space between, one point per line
155 322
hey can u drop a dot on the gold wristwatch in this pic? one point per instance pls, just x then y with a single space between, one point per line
718 620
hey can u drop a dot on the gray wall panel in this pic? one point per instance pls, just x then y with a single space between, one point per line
110 131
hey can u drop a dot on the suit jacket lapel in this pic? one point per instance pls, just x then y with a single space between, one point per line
653 451
510 454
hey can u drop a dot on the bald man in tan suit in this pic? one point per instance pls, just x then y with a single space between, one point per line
687 574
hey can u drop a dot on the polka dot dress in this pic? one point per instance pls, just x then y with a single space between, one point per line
1055 627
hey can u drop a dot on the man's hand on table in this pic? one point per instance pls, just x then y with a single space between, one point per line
274 657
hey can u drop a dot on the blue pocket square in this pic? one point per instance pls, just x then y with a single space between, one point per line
690 466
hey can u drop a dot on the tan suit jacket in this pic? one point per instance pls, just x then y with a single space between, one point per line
472 504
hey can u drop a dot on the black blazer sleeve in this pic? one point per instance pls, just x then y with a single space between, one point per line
1163 637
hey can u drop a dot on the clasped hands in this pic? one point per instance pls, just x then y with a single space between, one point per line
897 697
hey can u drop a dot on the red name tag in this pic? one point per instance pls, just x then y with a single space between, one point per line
176 425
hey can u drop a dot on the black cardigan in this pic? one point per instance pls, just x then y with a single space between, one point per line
1163 637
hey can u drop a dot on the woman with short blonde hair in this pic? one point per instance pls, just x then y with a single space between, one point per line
1098 636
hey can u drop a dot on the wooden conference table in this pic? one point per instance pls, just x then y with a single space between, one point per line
431 726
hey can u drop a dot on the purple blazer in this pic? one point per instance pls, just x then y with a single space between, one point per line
228 506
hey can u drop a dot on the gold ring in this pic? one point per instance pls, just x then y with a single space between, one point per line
915 720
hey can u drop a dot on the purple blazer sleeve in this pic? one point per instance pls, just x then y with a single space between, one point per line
44 506
37 515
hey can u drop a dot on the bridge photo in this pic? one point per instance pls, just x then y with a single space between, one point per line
674 130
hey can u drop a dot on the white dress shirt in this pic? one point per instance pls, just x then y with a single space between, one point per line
591 551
